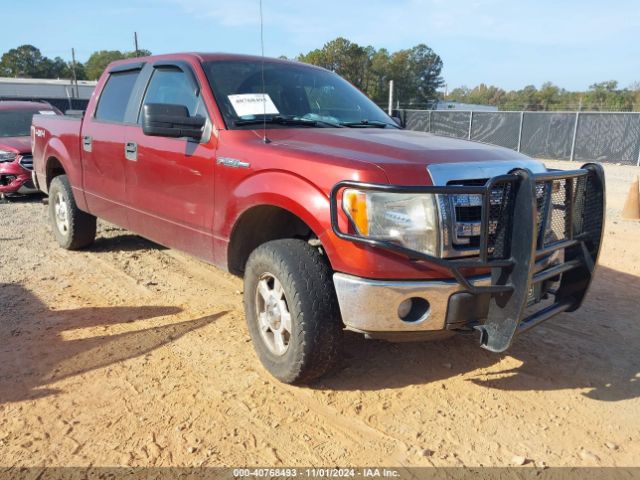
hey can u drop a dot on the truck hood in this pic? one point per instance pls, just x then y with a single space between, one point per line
401 154
17 144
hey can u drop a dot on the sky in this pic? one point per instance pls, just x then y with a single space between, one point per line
509 44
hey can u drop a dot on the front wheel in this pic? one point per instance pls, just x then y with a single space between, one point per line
292 310
72 227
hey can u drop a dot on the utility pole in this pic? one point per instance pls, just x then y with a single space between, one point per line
390 109
135 41
73 73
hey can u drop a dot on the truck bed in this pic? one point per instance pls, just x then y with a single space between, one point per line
56 137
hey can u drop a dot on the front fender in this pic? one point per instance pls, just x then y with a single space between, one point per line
279 189
311 205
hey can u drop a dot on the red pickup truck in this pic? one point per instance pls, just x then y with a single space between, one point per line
335 216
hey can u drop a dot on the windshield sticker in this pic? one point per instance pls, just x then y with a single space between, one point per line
46 112
249 104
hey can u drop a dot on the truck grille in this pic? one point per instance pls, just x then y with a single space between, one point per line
26 162
559 214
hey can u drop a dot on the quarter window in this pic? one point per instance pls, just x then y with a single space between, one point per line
115 96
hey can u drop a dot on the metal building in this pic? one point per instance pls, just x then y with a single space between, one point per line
63 94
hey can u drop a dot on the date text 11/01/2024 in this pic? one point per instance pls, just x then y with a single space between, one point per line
315 472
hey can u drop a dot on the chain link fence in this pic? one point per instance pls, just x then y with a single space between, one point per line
585 136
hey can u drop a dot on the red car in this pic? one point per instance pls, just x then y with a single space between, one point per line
335 216
16 162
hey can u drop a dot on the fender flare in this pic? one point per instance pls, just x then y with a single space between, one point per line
302 199
55 148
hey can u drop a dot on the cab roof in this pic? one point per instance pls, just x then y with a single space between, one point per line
208 57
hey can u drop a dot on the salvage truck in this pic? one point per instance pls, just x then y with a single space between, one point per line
336 217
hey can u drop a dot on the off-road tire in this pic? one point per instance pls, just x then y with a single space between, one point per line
81 226
306 279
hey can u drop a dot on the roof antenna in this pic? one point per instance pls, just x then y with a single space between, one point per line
264 89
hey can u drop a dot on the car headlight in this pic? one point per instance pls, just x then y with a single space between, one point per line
408 219
7 156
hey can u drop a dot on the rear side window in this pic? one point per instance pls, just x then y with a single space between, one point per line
171 85
115 96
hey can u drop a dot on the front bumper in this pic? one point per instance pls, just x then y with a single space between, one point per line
369 306
14 178
514 246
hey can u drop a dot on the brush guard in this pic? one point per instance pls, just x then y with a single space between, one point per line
526 219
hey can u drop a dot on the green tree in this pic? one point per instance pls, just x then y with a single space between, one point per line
486 95
607 96
548 95
635 94
425 67
459 94
99 60
378 76
56 68
81 74
141 53
23 61
416 75
346 58
415 71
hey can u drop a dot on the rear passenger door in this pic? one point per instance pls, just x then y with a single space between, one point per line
170 181
102 146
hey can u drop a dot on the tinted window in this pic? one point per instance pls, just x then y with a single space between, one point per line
171 85
17 123
115 96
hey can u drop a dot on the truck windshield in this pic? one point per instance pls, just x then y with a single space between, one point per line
296 96
16 123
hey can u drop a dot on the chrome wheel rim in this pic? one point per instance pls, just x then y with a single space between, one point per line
273 316
61 212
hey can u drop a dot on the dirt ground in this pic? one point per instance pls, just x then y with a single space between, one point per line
132 354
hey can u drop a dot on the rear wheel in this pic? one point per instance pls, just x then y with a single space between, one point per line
72 227
292 311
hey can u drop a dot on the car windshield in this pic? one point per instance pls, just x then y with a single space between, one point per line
296 96
16 123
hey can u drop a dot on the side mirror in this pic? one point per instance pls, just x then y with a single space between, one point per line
398 120
168 120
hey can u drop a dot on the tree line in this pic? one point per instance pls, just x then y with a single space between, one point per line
26 61
416 73
602 96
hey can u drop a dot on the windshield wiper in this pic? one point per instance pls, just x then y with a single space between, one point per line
280 120
366 124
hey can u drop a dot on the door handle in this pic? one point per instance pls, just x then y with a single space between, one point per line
87 143
131 151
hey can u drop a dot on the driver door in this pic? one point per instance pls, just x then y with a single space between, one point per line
170 181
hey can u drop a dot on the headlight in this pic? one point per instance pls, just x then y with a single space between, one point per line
7 156
411 220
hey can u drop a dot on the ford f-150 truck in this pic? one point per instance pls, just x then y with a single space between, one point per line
335 216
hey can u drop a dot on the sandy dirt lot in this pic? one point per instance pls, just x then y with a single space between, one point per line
132 354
